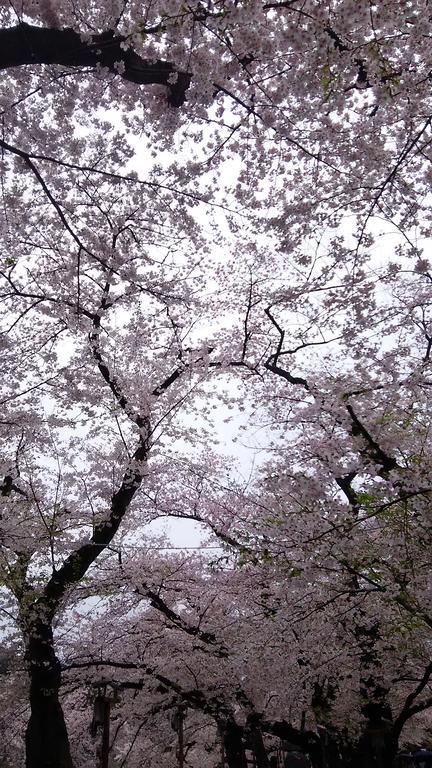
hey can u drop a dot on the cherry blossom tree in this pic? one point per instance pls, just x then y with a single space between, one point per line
142 144
352 489
75 448
98 303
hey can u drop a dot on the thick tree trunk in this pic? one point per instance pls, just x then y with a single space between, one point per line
255 742
378 744
234 749
307 742
377 748
47 743
333 747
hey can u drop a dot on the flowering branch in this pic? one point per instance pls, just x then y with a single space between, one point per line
28 44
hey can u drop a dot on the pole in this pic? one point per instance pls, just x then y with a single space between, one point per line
180 738
105 734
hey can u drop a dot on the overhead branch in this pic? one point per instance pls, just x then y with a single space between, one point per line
345 484
372 449
142 421
27 44
78 562
209 638
197 699
272 362
230 541
8 485
186 366
411 707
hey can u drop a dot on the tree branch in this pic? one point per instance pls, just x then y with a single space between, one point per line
410 708
272 362
209 638
28 44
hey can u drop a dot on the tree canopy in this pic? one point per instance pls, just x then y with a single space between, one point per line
211 209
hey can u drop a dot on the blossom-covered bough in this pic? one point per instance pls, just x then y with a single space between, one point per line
152 154
29 44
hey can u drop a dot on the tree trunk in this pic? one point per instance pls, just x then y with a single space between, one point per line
255 742
308 743
47 743
333 747
234 750
377 748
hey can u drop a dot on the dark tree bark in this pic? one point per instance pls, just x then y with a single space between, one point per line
27 44
47 743
307 741
376 748
234 748
255 741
